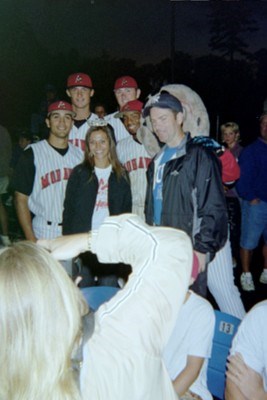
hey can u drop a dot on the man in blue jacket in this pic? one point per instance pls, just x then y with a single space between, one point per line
252 188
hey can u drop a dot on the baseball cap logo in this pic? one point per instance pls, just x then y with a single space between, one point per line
155 99
78 79
124 82
61 104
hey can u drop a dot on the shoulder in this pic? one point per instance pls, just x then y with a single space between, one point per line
76 151
93 117
202 308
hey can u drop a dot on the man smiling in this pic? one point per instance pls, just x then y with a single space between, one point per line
41 176
80 90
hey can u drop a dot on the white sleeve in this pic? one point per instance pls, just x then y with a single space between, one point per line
161 259
250 338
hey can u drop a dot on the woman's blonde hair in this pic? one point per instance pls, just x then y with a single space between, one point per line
40 325
232 125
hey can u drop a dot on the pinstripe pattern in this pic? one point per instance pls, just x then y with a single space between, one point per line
77 135
135 160
221 283
119 129
52 171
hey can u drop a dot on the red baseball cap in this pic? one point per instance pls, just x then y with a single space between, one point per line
134 105
60 105
125 82
79 79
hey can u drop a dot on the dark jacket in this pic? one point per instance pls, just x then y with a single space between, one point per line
81 195
193 197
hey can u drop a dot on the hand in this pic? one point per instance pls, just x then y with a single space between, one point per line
248 381
201 261
66 247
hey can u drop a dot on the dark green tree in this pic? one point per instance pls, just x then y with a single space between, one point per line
229 22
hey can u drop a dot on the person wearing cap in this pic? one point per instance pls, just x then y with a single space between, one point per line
125 89
80 91
133 155
252 188
185 188
41 176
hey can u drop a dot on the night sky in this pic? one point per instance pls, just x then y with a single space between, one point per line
137 29
38 36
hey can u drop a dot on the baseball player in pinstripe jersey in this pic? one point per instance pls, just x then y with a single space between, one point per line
125 89
80 90
133 155
41 176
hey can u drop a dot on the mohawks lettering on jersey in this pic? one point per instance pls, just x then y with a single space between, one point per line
137 163
78 143
55 176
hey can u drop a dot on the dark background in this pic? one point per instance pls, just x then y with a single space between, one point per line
218 48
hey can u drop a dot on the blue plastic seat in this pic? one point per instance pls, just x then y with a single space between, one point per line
97 295
225 329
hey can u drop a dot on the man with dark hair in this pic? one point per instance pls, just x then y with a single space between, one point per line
41 176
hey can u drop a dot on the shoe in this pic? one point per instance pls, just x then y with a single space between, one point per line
246 281
263 277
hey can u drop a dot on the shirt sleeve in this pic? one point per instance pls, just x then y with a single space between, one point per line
250 338
24 173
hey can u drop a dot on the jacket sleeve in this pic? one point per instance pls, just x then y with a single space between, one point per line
246 184
230 167
211 208
70 202
127 199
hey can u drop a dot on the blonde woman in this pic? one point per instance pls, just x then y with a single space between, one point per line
41 309
40 326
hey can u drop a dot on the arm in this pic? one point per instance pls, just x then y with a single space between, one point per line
245 186
243 383
230 167
151 253
72 191
24 215
189 374
127 201
211 205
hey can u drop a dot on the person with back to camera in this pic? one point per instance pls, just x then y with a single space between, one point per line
41 312
97 188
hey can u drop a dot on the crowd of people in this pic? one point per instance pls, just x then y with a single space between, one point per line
165 223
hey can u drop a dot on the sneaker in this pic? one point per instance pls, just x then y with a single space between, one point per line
246 281
263 277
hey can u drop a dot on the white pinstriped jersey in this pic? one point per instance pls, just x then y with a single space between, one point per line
77 135
52 171
135 160
119 129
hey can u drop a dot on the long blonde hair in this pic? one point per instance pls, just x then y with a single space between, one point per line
40 326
